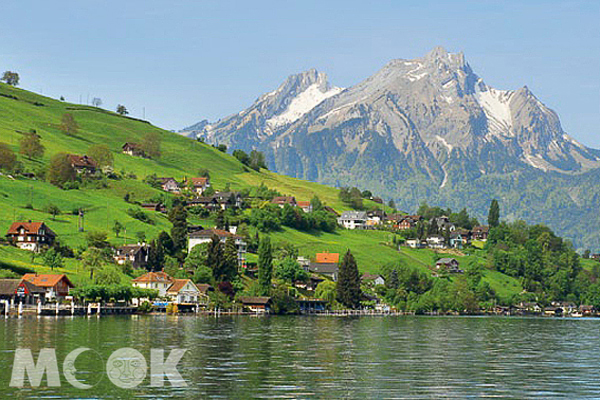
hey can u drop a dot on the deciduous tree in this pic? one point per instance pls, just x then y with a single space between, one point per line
30 145
68 124
11 78
8 159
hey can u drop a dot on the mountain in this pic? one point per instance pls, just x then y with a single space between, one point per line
426 129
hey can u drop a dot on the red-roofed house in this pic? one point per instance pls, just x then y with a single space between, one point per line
160 281
305 206
283 200
326 258
54 286
199 185
83 164
31 236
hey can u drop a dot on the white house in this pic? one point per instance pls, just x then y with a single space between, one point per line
436 242
353 220
184 291
160 281
373 279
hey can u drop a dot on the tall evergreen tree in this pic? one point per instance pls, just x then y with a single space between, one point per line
494 214
178 217
156 256
265 265
348 286
214 257
230 260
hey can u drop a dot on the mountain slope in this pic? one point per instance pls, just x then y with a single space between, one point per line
430 129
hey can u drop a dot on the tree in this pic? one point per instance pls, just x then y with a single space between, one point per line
122 110
392 204
203 173
494 214
230 260
8 159
117 228
222 148
30 145
257 160
156 256
60 170
326 290
53 210
96 101
290 271
52 259
366 194
586 254
242 156
141 236
316 204
97 239
348 285
11 78
178 217
101 154
151 144
68 124
265 265
109 275
92 260
214 257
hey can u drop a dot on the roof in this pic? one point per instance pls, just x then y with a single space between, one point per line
331 210
255 300
354 215
151 277
283 200
482 229
324 268
446 261
303 204
8 287
131 248
46 280
164 180
327 258
179 284
208 233
30 227
82 161
131 145
204 287
369 277
199 181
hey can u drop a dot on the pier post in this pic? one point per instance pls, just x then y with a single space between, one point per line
98 309
89 310
57 307
20 309
39 307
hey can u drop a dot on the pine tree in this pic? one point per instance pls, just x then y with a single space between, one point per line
214 257
265 265
348 286
494 214
230 260
220 221
178 217
394 282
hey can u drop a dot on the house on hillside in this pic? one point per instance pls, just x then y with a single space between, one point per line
353 220
443 224
436 242
157 207
83 164
136 254
325 264
409 222
185 292
206 235
459 239
595 257
375 217
198 185
160 281
305 206
372 279
480 233
415 243
448 264
55 287
227 200
17 291
209 203
133 149
170 185
283 200
30 236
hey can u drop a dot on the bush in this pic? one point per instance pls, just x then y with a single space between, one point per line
140 216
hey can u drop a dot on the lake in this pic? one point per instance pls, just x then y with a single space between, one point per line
322 357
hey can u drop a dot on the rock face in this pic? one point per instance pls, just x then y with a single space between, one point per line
424 129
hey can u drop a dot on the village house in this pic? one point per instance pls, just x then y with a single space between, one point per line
17 291
198 185
283 200
377 200
311 305
325 264
133 149
448 264
256 304
529 308
394 220
55 287
208 203
30 236
372 279
160 281
459 239
353 220
480 233
375 217
136 254
409 222
83 164
415 243
587 310
185 292
552 311
169 185
157 207
595 257
206 235
305 206
436 242
443 224
227 200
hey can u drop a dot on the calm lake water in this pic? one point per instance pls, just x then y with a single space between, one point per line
324 357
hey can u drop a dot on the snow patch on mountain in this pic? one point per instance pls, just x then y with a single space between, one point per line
302 104
496 105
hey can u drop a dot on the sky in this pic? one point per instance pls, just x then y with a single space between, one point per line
176 62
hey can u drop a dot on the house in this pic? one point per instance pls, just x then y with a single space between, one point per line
327 258
256 304
311 305
228 200
20 291
136 254
205 236
595 257
373 279
199 185
448 264
436 242
83 164
283 200
414 243
409 222
553 311
305 206
480 233
185 292
375 217
330 270
530 307
587 310
169 185
443 224
31 236
160 281
568 307
54 286
394 219
377 200
209 203
133 149
353 220
157 207
459 239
